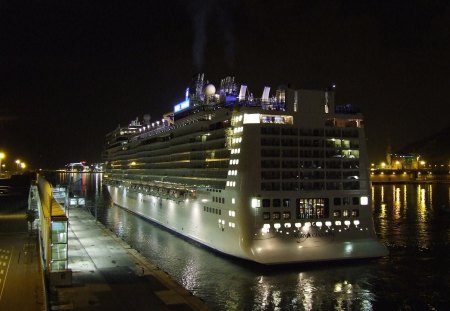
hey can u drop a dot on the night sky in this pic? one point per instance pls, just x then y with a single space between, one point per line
72 70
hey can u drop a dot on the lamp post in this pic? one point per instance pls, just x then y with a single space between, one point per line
2 156
17 163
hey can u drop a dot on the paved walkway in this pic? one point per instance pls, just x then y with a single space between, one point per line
21 281
107 274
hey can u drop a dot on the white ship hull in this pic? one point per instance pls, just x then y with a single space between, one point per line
186 218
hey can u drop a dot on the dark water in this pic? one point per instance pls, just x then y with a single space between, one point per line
408 219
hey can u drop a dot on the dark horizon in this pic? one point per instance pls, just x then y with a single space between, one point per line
71 72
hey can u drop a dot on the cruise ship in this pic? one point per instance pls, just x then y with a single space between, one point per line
277 179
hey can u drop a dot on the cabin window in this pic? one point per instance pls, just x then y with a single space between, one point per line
312 208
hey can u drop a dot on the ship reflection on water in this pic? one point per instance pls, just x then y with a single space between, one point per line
408 219
319 289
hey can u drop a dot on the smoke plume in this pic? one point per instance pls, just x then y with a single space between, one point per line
203 12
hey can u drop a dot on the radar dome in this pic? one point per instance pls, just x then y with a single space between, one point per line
210 90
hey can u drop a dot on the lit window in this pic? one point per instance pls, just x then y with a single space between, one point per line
233 201
253 118
338 223
356 222
256 202
231 183
364 200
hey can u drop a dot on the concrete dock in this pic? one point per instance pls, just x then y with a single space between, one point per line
21 278
107 274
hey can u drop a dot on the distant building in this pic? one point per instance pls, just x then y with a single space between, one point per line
77 167
403 161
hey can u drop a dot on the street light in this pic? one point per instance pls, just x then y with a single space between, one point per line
22 165
17 163
2 156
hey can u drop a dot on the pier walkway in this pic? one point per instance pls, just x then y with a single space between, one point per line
107 274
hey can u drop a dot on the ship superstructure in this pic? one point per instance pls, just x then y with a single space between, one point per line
277 179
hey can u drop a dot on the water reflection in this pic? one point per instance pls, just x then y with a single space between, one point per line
306 288
406 219
404 226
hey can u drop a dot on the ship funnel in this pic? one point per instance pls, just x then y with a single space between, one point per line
199 84
196 86
242 92
265 95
